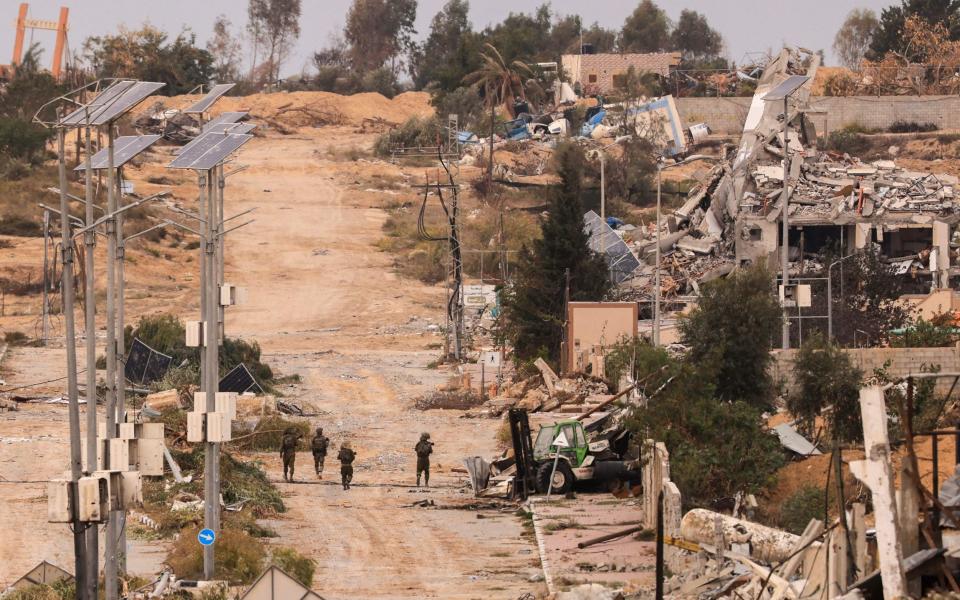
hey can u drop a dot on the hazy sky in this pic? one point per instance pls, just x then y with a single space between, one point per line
746 25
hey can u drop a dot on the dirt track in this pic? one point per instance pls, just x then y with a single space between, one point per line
323 303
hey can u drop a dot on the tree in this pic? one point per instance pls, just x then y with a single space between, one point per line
146 54
601 38
499 82
717 448
522 36
731 331
694 37
225 50
866 300
379 31
887 37
275 25
28 89
825 377
534 307
450 51
647 29
853 38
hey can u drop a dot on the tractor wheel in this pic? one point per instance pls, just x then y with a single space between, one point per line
562 478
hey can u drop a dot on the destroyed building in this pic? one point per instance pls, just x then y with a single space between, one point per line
733 218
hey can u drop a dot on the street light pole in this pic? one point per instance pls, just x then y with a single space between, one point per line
656 271
603 190
830 294
211 500
73 400
785 250
90 306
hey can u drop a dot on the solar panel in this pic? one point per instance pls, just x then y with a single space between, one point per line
239 380
144 364
124 149
126 101
201 105
604 240
227 117
219 128
79 116
203 158
786 87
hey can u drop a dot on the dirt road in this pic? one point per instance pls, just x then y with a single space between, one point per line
324 304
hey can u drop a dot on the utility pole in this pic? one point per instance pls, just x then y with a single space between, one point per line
110 566
211 503
45 325
90 306
79 542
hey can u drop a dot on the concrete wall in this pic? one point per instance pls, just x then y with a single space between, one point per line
726 115
903 362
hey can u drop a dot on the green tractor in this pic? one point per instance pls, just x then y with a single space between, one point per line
576 458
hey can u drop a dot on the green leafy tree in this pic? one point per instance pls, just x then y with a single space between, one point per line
522 36
146 54
224 48
888 36
28 89
450 51
379 32
731 330
853 38
717 448
601 38
275 26
826 377
647 29
534 307
939 332
694 37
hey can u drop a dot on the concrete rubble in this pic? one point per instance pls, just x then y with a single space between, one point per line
732 217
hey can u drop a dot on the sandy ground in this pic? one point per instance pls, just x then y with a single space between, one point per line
323 303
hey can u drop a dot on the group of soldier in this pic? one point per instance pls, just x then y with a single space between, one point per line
320 444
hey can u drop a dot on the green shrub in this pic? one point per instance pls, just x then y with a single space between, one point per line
910 127
16 338
848 142
20 226
23 139
806 504
416 131
240 556
269 432
60 590
294 564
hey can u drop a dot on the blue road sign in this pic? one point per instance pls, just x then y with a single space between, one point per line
206 537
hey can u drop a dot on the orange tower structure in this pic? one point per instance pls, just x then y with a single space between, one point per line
60 26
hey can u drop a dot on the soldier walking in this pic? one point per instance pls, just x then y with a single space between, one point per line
346 457
288 451
319 445
423 449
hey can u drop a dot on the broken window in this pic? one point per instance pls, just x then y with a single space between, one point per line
619 81
592 78
756 234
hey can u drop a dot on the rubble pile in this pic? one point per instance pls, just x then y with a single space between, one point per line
732 217
534 395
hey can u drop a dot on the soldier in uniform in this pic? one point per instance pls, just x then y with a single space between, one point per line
319 445
346 457
288 451
423 449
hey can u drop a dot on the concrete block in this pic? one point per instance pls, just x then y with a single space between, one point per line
118 457
219 427
196 426
127 431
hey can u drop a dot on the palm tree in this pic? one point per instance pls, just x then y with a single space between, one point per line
500 83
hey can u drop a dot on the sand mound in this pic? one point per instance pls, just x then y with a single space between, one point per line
305 109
